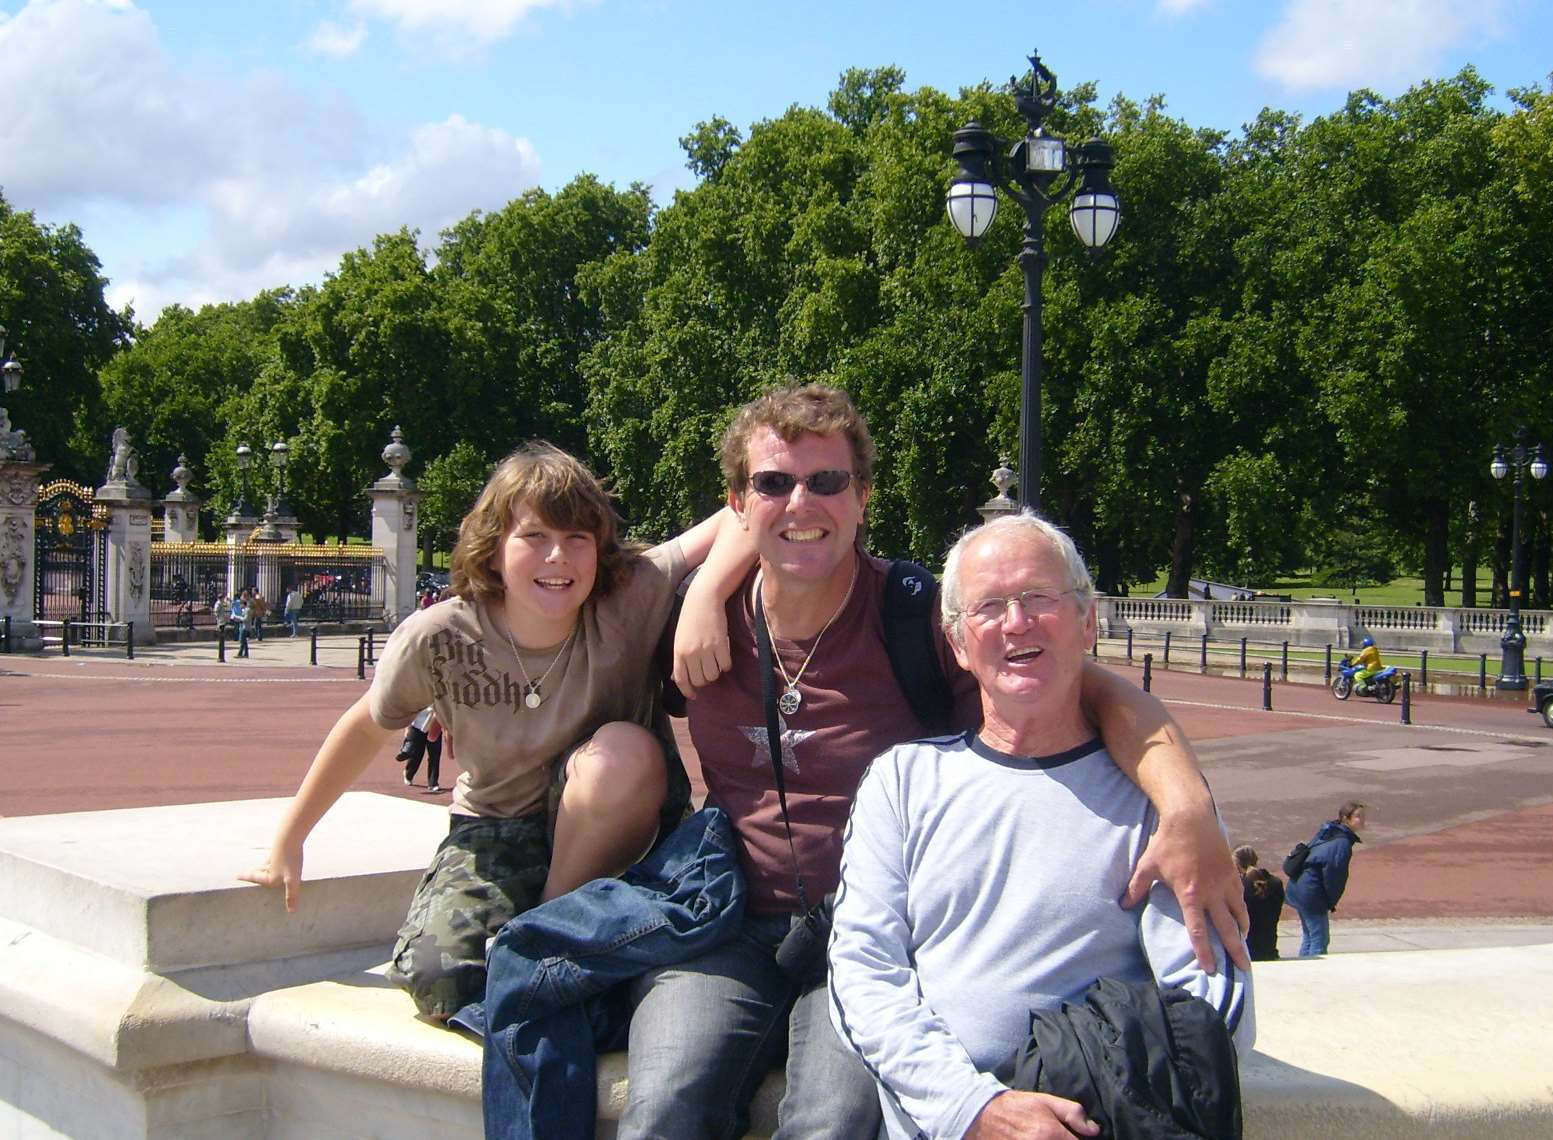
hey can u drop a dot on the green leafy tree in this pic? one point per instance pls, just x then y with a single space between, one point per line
62 332
449 485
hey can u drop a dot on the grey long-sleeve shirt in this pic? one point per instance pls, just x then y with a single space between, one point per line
976 887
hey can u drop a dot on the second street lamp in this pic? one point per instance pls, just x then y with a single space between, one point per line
244 461
280 455
1036 172
1512 646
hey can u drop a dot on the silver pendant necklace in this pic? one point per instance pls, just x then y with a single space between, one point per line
791 699
533 695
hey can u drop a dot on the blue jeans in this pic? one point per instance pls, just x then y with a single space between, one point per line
293 619
551 994
705 1034
1315 931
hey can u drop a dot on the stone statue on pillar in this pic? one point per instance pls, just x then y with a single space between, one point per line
1002 503
181 508
13 443
129 539
394 499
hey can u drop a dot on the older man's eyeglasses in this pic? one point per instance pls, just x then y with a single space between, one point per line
780 484
1034 603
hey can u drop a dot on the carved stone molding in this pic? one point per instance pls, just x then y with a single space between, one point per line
13 558
19 490
139 555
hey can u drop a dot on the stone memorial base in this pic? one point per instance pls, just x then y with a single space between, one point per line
144 992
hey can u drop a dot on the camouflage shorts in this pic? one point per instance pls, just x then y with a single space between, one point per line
485 872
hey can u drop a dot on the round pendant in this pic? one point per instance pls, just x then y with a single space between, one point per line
789 701
532 698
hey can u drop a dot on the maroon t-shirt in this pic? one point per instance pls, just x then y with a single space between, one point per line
852 711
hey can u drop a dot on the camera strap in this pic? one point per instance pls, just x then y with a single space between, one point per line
774 735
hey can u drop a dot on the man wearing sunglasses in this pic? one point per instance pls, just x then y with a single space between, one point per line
799 463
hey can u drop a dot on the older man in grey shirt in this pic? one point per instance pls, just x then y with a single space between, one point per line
981 872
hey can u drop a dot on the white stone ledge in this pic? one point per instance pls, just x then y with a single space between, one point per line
1448 1044
96 1042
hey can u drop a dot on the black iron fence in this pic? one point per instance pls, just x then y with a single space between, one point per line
192 584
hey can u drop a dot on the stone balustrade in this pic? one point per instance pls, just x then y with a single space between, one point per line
146 993
1439 629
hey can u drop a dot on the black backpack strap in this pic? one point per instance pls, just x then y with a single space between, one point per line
910 611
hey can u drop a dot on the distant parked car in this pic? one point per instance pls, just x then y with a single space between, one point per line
1543 696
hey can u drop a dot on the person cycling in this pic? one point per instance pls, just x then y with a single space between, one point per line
1369 663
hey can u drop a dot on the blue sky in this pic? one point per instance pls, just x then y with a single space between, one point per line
208 150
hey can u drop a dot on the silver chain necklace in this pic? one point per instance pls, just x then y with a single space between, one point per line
533 696
791 699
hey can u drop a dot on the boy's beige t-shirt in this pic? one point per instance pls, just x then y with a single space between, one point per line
452 658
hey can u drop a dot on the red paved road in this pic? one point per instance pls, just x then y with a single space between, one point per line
1462 824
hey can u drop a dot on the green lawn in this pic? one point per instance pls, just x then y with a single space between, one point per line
1397 592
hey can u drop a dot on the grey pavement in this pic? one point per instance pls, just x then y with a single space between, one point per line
1368 936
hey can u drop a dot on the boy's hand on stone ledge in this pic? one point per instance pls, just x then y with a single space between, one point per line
1189 855
282 869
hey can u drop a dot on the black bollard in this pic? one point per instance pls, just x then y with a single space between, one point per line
129 642
1407 698
5 635
1094 647
1423 667
1329 664
1167 649
1129 646
1482 670
64 637
1538 662
312 646
221 643
1242 657
361 659
1148 671
1202 665
1283 670
1267 686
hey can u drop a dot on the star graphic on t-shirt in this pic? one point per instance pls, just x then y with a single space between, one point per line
761 739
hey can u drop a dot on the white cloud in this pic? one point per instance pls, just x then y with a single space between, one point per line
267 183
454 24
1174 8
1384 44
337 40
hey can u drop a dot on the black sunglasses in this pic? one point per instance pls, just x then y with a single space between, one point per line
780 484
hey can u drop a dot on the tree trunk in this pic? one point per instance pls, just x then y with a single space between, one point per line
1436 552
1109 566
1501 589
1179 583
1538 563
1471 536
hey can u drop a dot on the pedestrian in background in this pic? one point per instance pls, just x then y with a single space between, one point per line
239 614
1264 902
423 739
258 610
1314 893
294 610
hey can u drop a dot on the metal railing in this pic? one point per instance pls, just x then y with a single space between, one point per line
338 583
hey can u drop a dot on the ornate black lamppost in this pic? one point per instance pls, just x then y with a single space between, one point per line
244 461
1512 646
11 370
280 455
1037 171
